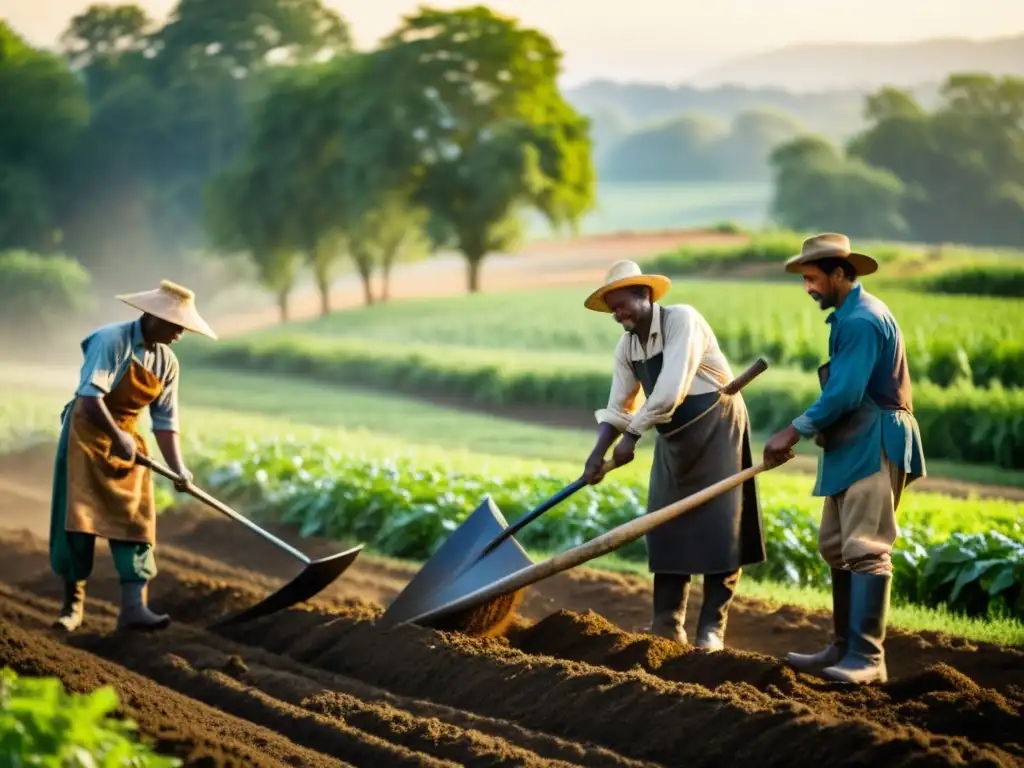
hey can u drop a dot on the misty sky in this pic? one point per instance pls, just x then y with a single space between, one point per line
660 39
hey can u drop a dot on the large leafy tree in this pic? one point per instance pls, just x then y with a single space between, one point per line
467 113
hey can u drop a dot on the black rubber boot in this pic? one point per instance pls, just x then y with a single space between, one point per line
135 614
72 612
864 661
671 592
836 649
719 590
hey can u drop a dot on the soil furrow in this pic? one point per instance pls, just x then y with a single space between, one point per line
176 724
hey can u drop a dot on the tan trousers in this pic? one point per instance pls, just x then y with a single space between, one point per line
858 526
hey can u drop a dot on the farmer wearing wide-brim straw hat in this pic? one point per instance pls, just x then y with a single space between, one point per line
864 421
98 488
700 437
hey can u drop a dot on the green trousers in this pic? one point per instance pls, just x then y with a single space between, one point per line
71 554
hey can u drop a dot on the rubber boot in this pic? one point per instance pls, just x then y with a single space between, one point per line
864 661
834 651
719 589
73 610
671 592
135 614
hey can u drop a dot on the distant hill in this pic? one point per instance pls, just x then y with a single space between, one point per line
856 66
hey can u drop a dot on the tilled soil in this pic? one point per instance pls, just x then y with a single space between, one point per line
322 685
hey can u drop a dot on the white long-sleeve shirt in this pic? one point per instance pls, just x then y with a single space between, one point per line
692 363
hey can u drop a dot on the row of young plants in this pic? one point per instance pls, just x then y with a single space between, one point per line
407 508
963 423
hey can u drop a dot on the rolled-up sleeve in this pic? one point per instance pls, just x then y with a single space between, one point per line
856 351
622 400
103 352
684 345
163 411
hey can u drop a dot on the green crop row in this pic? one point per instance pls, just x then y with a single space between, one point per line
949 338
405 509
979 280
983 426
43 724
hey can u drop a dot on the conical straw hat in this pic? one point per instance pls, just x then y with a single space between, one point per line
623 274
173 303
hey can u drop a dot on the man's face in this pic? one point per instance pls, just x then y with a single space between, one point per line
163 332
821 287
629 308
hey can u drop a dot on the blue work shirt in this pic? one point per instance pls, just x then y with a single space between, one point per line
109 351
866 354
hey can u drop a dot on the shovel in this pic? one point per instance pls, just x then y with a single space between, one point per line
316 575
466 594
482 551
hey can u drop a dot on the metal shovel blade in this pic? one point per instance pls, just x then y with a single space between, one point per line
315 577
451 572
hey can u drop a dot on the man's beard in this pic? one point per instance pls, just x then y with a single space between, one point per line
825 301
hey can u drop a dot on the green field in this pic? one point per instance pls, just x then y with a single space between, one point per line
948 338
623 206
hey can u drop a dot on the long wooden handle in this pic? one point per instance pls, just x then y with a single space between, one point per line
758 367
602 545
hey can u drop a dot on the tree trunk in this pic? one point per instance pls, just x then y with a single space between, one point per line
365 274
385 283
473 264
323 285
282 304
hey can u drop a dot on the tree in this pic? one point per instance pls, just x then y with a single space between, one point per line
476 125
42 113
817 188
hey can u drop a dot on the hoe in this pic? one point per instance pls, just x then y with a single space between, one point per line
314 577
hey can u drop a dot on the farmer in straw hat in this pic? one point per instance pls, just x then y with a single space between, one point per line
863 420
98 489
701 437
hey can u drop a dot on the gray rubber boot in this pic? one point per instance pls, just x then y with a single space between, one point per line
836 648
864 661
72 612
135 614
671 592
719 590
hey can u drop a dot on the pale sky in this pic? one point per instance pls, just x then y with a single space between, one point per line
663 40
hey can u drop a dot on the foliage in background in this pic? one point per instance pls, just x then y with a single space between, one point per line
40 294
979 280
407 509
960 423
41 724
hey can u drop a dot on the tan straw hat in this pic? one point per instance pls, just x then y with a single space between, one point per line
622 275
173 303
831 246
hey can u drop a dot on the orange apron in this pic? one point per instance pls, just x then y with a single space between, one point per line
108 496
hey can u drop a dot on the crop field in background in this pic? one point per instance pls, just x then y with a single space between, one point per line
636 206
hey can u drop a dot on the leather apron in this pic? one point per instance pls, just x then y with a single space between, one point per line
108 496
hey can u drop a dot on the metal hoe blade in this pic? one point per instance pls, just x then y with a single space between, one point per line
315 577
442 578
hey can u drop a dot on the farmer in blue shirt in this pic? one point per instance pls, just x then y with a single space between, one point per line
864 421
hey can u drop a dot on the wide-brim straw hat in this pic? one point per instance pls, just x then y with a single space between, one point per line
624 274
173 303
831 246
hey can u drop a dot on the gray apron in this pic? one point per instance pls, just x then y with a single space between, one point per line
707 440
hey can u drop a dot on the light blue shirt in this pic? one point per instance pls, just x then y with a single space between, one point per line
109 351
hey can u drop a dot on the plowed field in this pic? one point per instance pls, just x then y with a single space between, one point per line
568 685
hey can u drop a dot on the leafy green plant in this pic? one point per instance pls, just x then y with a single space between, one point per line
978 573
41 724
407 508
1005 280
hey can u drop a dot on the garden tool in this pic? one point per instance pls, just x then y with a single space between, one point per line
315 576
483 551
470 602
